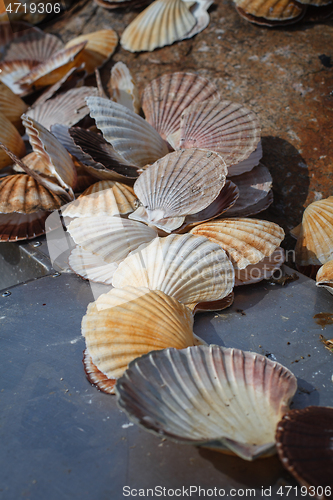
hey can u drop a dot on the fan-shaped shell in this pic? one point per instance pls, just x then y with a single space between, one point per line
254 188
130 135
17 226
228 128
10 137
111 238
67 108
181 183
100 46
122 88
324 276
189 268
53 154
11 106
160 24
263 270
315 241
11 73
224 399
21 193
102 198
34 46
129 322
166 97
50 71
304 444
246 241
271 9
91 267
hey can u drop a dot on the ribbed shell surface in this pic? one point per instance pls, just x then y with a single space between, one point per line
130 135
91 267
209 395
181 183
247 164
315 241
102 198
34 46
21 193
276 10
160 24
17 226
12 72
166 97
10 137
123 89
246 241
191 269
222 126
129 322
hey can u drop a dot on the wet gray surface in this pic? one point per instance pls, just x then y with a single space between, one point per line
61 438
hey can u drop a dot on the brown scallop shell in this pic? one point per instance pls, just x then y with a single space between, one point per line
246 241
10 137
99 47
275 10
11 73
11 105
247 164
263 270
17 226
166 97
324 276
304 444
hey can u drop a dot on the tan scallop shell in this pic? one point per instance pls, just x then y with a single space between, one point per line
11 105
10 137
53 154
35 163
17 226
67 108
191 269
123 89
246 241
11 73
130 135
129 322
102 198
263 270
100 46
262 21
181 183
166 97
50 71
111 238
324 276
270 9
21 193
225 399
225 127
162 23
254 187
315 241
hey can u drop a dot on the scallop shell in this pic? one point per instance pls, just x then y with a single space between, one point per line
166 97
225 399
33 46
35 163
304 444
254 188
95 376
181 183
91 267
122 88
100 45
248 164
17 226
262 21
324 276
263 270
191 269
246 241
222 126
111 238
50 71
162 23
67 108
10 137
11 73
315 241
271 9
129 322
102 198
21 193
199 10
130 135
53 154
11 106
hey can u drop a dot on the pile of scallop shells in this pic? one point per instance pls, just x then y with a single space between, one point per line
165 216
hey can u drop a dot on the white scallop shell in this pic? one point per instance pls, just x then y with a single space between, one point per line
91 267
189 268
122 88
130 135
225 399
